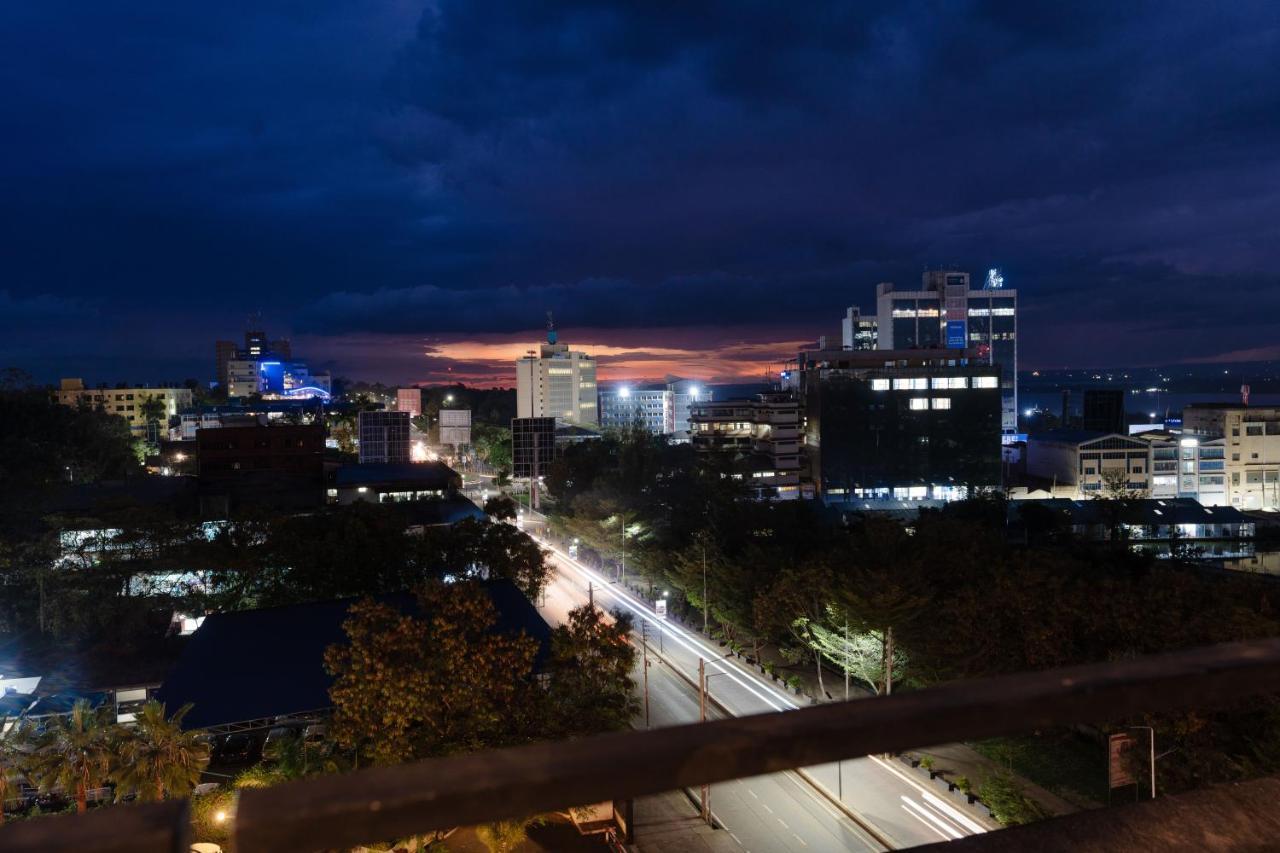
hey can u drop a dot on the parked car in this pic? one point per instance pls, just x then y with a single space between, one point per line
237 749
273 747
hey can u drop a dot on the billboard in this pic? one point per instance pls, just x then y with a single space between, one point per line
955 334
455 426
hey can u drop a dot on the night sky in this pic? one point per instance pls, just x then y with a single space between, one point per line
696 187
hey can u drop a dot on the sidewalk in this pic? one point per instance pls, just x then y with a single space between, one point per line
669 823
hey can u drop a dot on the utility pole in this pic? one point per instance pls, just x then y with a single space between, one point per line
846 660
591 595
1152 732
622 574
644 642
888 660
702 717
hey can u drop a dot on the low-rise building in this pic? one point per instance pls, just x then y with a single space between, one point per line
1251 449
128 403
1089 464
758 437
1187 467
393 482
661 409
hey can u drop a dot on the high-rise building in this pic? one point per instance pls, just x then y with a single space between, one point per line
533 446
409 400
946 312
267 367
384 436
858 332
900 425
556 382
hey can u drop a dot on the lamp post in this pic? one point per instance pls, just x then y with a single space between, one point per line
702 717
705 604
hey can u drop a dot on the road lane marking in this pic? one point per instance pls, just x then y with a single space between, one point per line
766 808
929 797
926 824
783 822
929 816
801 840
753 793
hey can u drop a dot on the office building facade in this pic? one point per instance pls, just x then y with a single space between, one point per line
859 332
658 409
757 439
384 436
1251 449
946 312
127 403
266 367
556 382
533 446
900 425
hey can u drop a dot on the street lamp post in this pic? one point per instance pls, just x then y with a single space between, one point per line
702 717
705 604
644 642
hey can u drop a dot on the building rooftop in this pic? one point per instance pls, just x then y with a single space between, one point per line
254 664
431 474
1070 436
1151 512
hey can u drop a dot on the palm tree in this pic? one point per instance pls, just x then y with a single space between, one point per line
14 754
74 752
156 758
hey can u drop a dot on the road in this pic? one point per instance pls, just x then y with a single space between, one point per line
780 811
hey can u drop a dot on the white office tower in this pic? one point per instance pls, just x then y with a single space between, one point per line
559 383
946 312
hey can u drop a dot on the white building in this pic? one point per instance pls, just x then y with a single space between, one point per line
858 332
947 313
1078 463
1251 449
559 383
659 409
1187 467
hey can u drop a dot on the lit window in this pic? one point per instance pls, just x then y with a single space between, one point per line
879 384
942 402
918 403
914 384
949 382
986 382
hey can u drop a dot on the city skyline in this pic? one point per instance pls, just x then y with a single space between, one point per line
648 176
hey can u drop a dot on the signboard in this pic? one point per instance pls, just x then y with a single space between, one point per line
455 426
1118 772
661 607
955 334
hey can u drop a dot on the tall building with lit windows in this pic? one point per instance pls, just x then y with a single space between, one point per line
920 424
556 382
947 312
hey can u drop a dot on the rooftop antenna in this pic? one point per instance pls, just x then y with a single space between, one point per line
551 328
995 279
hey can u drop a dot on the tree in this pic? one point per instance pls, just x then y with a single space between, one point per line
499 507
796 600
590 687
152 409
157 758
15 747
74 752
859 654
409 686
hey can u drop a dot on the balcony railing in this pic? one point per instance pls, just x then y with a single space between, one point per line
391 802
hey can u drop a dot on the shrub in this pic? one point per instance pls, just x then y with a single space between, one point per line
1007 801
963 783
927 762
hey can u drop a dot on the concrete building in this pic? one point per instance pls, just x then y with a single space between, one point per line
659 409
556 382
455 427
1079 463
758 438
126 403
946 312
1187 467
1251 449
267 367
533 446
239 452
393 483
409 400
900 425
858 332
383 437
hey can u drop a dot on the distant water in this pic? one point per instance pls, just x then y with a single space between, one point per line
1143 402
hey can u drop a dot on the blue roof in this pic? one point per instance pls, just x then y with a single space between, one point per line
253 664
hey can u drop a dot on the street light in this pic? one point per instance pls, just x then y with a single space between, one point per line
703 677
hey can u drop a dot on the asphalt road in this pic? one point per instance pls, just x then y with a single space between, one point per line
782 811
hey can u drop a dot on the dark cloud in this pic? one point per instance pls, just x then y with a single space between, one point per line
399 167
